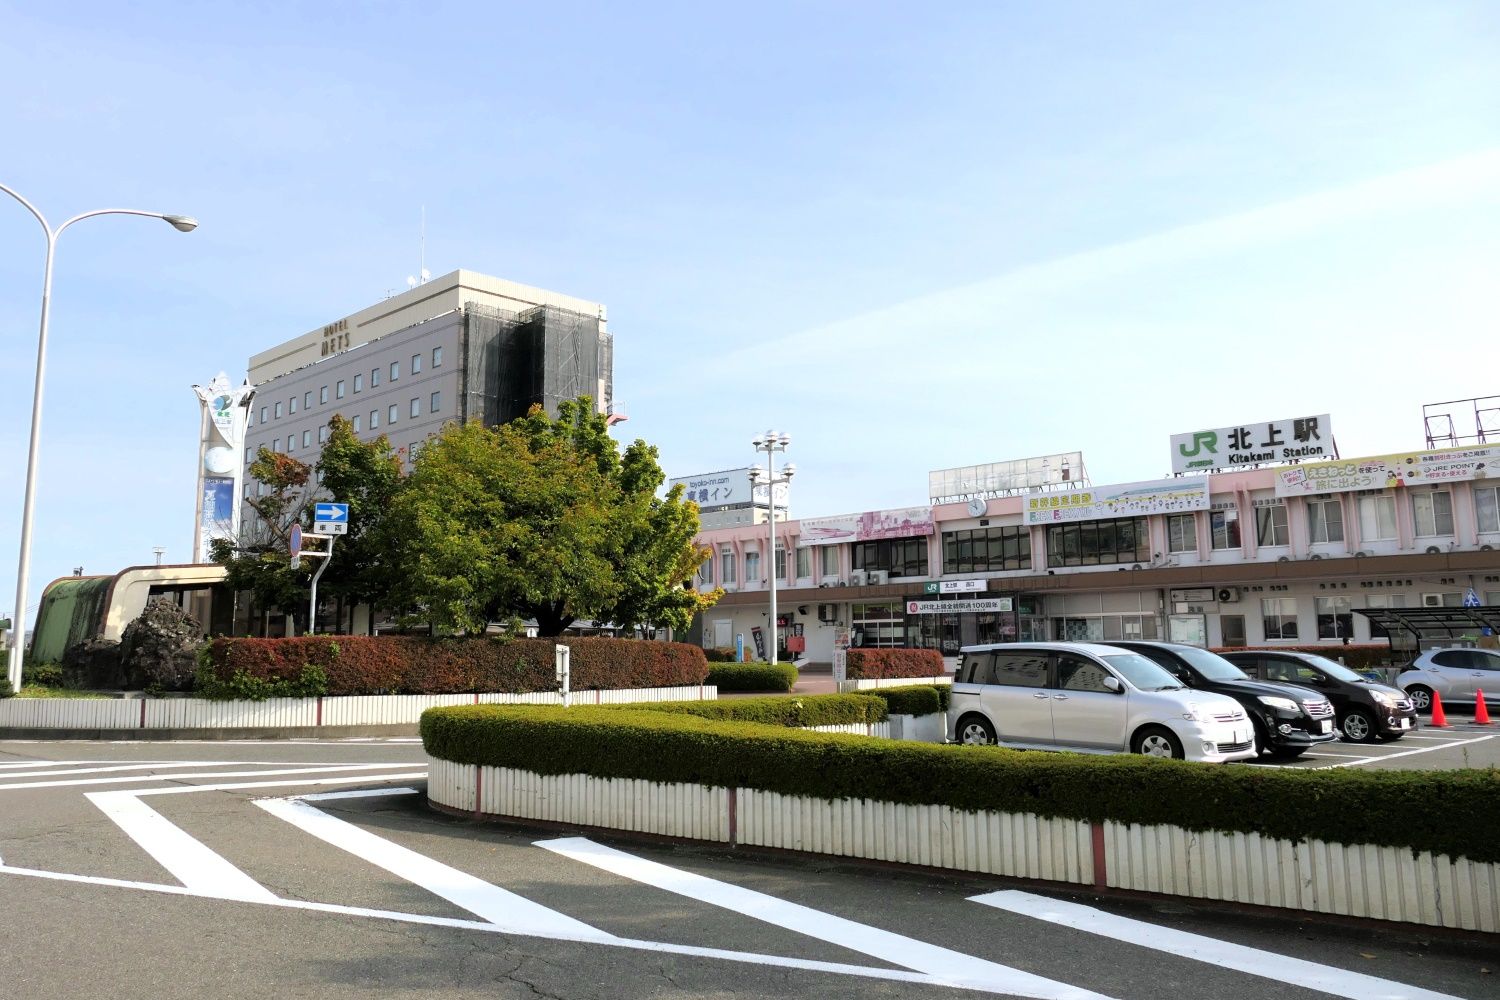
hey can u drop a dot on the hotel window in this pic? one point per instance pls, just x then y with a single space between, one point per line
1182 533
323 395
291 406
898 556
780 561
416 364
395 370
1224 529
1335 618
1279 616
1097 543
828 557
263 414
374 377
276 444
1433 513
1270 525
354 424
359 382
307 439
322 434
804 562
981 550
752 567
291 444
1486 503
706 573
278 411
307 400
416 408
1325 521
437 357
374 419
390 414
1377 517
727 569
436 402
338 389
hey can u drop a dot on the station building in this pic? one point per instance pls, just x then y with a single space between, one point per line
1262 556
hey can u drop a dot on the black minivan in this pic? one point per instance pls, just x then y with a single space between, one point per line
1289 720
1367 710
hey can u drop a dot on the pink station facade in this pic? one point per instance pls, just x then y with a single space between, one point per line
1266 556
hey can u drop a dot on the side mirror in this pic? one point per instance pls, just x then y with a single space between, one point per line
1113 684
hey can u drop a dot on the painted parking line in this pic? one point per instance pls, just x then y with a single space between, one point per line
1410 753
946 965
1184 944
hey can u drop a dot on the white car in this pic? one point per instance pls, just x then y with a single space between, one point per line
1091 698
1455 674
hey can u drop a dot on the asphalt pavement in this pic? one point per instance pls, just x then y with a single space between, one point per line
314 869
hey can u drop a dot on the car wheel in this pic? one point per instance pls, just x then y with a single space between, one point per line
975 730
1421 697
1155 741
1358 726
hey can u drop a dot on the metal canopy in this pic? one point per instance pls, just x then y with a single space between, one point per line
1428 622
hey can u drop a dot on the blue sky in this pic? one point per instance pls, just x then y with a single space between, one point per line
910 237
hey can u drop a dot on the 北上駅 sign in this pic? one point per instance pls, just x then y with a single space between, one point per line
1298 439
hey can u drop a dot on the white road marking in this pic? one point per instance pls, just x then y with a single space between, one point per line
189 860
52 763
230 786
1241 958
944 965
356 793
1408 753
161 765
498 906
221 774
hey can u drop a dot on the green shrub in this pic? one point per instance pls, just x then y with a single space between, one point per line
795 711
719 654
310 682
752 676
6 691
919 699
356 664
43 674
864 664
1446 812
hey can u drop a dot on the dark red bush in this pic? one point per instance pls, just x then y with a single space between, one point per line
869 664
357 664
1356 656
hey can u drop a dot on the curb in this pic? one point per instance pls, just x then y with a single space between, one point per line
243 733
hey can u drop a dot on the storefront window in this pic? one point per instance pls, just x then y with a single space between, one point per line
982 550
900 556
1103 628
878 625
1094 543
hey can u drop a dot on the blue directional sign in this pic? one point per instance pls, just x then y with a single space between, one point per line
336 512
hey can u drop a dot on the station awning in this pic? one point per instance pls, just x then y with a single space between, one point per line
1435 622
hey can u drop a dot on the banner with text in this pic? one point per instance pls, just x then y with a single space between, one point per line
1385 471
1095 503
905 522
1299 439
981 604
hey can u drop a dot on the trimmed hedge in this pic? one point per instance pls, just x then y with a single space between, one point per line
752 676
871 664
355 664
1446 812
719 654
919 699
1355 656
809 710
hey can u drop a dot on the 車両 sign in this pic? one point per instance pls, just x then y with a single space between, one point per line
1297 439
980 605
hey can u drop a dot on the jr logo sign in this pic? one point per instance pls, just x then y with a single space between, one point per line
1202 441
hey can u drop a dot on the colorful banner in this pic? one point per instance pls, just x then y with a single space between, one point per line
991 605
1387 471
1094 503
905 522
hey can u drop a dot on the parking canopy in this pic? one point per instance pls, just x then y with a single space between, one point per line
1435 623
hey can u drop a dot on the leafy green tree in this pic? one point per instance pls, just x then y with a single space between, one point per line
367 476
543 519
261 563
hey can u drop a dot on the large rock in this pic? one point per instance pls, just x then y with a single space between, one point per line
160 648
94 665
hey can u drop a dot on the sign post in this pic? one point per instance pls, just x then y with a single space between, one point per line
294 543
564 668
329 520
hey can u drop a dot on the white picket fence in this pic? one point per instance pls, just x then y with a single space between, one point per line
287 713
1354 880
870 683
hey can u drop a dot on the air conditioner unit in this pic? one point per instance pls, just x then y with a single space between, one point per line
1432 600
1228 595
1433 550
857 578
880 576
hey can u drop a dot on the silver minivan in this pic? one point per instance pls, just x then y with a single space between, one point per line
1091 698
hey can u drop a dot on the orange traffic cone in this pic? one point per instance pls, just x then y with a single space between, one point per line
1481 714
1439 719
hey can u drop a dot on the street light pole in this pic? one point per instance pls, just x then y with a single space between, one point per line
770 444
181 223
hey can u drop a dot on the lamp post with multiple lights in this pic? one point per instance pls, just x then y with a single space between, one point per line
181 223
770 443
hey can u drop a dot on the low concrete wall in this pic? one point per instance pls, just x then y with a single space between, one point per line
178 714
1361 881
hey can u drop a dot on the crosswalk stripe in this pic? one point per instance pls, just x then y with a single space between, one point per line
943 964
1241 958
189 860
137 778
157 765
500 907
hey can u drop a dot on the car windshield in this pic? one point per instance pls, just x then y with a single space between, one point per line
1147 675
1211 665
1337 671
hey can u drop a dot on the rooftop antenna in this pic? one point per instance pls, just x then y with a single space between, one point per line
424 275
